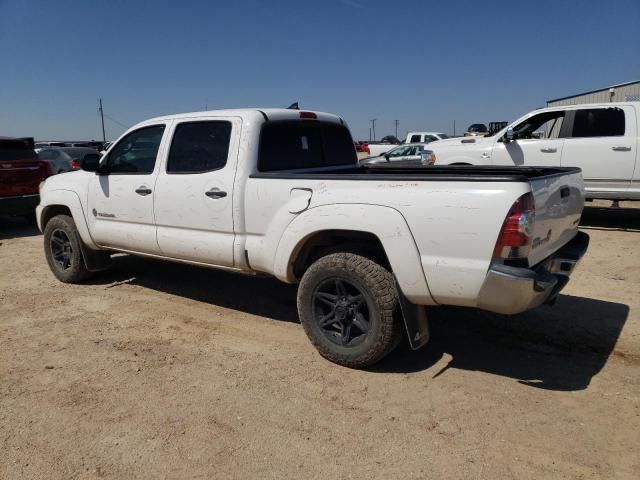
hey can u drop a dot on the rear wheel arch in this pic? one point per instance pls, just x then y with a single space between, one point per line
325 242
388 241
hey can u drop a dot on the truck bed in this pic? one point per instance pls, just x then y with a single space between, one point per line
398 172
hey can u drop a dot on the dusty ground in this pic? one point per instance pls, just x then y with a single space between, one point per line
166 371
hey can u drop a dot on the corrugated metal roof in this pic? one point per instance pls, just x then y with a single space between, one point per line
594 91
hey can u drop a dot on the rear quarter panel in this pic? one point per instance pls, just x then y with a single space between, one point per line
439 235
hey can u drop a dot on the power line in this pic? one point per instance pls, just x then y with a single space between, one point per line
115 121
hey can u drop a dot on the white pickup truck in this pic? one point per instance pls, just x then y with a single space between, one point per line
279 192
602 139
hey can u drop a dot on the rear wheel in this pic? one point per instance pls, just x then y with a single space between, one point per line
62 247
348 306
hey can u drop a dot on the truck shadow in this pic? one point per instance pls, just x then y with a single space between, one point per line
263 296
611 218
14 227
556 348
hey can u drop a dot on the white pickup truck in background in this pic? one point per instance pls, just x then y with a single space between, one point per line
279 192
601 139
425 137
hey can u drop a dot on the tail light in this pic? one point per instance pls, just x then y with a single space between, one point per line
308 115
514 240
75 163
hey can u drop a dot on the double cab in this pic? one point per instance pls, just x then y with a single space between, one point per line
279 192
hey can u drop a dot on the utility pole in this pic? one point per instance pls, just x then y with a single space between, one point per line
454 128
396 122
369 133
104 137
373 125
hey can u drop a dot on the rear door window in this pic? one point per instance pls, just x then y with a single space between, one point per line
199 147
598 122
415 139
289 145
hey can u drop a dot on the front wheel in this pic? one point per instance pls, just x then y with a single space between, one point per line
348 306
63 250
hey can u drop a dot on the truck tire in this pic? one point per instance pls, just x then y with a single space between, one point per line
63 251
348 306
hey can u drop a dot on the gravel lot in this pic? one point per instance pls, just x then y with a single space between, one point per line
159 370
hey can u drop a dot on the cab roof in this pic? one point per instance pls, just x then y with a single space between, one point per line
265 114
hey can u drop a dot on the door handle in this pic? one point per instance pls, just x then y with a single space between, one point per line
549 150
215 193
620 148
142 190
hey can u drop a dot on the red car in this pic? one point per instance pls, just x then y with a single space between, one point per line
362 147
21 172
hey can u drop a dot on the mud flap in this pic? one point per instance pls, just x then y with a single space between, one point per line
95 261
415 321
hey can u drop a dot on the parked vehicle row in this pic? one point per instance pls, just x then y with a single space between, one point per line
95 145
601 139
377 149
65 159
279 192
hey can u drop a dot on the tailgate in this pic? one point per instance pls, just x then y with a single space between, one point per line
559 200
22 177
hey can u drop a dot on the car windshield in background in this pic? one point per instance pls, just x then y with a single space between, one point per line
15 150
478 127
296 144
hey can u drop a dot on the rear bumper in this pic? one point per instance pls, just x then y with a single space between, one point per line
19 205
511 290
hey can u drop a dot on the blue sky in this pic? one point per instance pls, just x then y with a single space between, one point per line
423 63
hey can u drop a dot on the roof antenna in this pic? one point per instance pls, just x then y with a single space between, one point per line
293 106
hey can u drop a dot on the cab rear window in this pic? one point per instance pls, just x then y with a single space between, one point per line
298 144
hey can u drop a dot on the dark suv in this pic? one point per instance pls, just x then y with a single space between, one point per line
21 172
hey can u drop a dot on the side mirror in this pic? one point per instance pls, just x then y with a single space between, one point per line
509 135
386 155
90 162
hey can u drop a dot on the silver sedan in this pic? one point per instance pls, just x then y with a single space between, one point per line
409 154
65 159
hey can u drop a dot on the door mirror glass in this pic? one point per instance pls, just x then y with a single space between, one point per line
90 162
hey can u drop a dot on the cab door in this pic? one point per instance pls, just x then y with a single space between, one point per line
603 143
194 192
120 196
